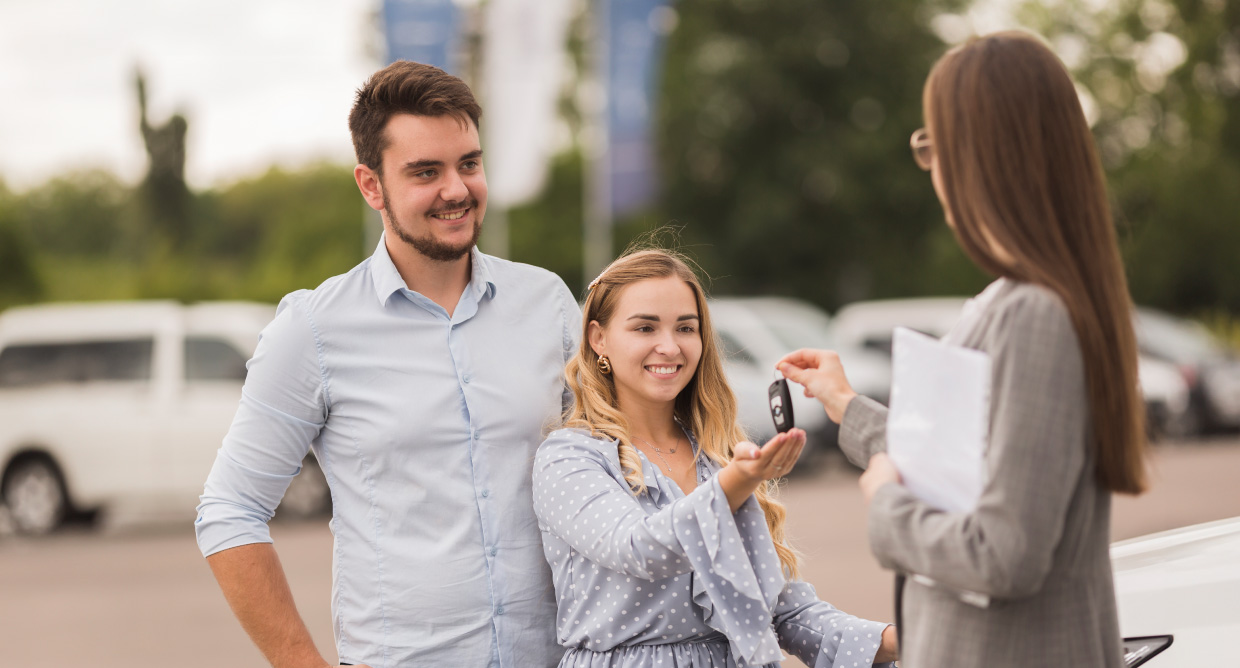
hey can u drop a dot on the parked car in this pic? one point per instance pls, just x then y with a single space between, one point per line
118 403
756 332
1166 393
868 324
1210 369
1176 593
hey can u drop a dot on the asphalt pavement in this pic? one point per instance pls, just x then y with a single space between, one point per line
143 596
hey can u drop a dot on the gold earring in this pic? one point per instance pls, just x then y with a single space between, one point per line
604 365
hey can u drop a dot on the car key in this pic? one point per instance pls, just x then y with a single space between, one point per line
781 405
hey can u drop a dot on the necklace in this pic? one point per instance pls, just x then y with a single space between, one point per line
659 453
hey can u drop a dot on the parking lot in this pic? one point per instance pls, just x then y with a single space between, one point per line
141 595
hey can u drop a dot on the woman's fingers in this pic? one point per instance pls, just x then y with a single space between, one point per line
805 358
792 452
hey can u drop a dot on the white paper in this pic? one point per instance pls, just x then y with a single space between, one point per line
938 422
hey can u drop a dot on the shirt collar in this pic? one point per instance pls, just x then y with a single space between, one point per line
387 279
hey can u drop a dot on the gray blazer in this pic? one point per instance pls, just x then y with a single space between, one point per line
1038 542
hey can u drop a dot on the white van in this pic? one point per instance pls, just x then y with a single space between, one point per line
117 402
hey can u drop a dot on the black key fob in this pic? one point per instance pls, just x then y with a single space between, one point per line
781 405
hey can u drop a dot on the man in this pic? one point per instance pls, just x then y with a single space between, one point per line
422 379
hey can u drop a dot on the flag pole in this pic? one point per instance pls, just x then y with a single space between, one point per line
596 236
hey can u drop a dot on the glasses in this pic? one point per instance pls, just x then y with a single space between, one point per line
923 149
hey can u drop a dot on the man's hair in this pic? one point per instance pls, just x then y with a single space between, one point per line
405 87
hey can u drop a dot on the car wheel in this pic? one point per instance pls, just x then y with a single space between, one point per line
308 495
35 496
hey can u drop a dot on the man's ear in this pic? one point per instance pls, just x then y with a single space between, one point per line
372 188
594 334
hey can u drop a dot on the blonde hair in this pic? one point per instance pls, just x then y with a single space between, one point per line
707 406
1018 164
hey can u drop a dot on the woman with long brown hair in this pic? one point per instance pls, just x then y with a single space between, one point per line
1015 167
665 543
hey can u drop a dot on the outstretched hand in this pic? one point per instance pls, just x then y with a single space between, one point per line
751 465
772 460
822 376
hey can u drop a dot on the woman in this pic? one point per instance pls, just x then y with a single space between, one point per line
665 545
1013 163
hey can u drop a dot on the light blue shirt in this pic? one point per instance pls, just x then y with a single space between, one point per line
425 426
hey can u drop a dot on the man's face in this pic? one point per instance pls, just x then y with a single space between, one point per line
434 187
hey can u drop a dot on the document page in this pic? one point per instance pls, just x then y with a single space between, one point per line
938 421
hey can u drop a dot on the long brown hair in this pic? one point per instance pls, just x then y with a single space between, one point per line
707 406
1018 169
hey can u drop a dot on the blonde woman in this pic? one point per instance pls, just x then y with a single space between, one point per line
665 545
1012 159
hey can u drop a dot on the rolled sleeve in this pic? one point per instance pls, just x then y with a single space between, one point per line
282 410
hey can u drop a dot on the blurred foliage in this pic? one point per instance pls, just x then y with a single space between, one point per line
1163 80
87 236
784 139
783 144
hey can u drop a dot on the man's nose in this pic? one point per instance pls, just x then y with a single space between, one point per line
454 188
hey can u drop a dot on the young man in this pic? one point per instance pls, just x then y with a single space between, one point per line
422 379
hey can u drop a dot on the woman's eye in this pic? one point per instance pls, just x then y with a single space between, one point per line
645 328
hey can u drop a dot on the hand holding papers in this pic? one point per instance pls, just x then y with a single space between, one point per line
937 425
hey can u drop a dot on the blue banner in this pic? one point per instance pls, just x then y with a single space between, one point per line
634 38
425 31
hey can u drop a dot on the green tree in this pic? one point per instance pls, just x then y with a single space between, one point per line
1162 78
784 133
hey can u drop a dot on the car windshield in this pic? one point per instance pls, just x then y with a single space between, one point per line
1174 339
795 326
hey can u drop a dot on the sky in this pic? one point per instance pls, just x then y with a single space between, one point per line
261 82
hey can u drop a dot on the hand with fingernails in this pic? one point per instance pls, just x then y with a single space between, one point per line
822 376
751 465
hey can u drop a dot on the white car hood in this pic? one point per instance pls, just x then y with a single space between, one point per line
1183 582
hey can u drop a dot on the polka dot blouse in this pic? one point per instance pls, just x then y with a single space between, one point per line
669 579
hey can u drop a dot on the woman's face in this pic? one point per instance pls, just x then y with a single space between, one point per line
654 340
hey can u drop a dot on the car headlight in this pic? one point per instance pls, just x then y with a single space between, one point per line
1139 650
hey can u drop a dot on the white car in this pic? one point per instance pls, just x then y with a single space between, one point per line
756 332
117 403
1177 593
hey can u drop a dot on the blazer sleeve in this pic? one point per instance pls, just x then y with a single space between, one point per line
1036 455
863 431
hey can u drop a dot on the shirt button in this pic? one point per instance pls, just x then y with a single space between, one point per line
493 551
499 610
466 377
486 493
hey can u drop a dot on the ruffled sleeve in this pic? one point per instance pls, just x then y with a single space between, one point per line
822 636
580 496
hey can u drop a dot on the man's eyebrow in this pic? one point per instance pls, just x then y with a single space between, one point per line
419 165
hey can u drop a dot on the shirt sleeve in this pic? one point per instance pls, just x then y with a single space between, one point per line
1035 458
822 636
283 408
572 336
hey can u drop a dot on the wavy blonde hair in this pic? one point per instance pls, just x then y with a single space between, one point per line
707 406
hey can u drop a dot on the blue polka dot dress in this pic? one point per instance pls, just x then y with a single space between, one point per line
673 579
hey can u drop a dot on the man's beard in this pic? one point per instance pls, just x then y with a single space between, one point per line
428 245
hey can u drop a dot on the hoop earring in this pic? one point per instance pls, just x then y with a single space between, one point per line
604 365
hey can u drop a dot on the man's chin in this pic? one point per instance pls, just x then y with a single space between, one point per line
442 251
